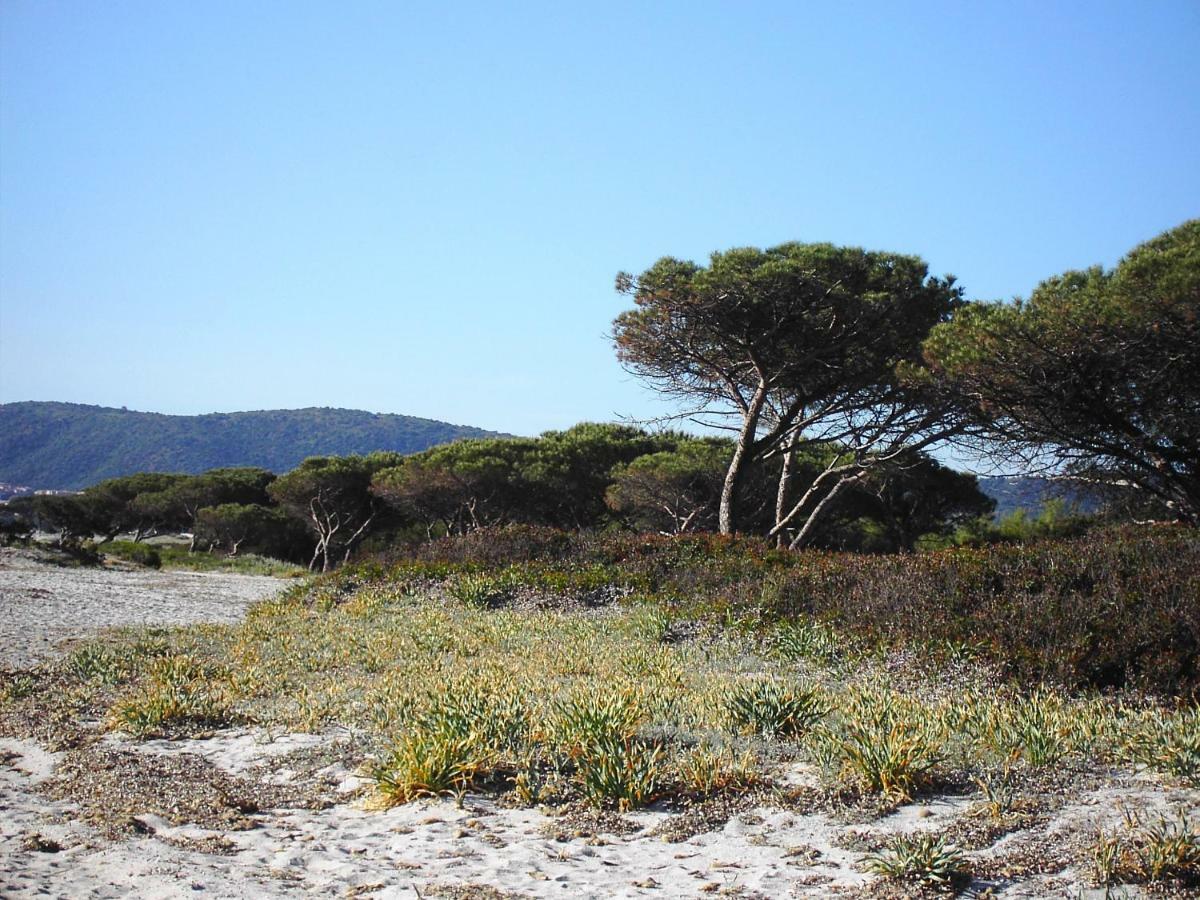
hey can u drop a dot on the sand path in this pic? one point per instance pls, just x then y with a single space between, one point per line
41 605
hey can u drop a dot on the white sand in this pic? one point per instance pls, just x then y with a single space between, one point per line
41 605
412 850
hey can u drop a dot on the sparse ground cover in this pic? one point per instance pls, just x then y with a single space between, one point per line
575 720
175 555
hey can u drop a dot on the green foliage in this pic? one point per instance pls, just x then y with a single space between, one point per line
177 556
1098 371
672 491
774 709
1170 744
620 770
331 496
425 763
481 590
466 728
145 556
885 742
1164 849
925 858
238 527
817 641
588 720
112 503
813 330
1037 729
706 770
557 479
177 695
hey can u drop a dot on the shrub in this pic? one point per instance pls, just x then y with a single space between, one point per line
145 556
1112 608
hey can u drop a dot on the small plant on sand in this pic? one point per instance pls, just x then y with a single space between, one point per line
807 640
925 858
593 719
596 732
999 793
16 685
96 662
426 762
706 770
465 730
480 590
178 694
885 743
1038 729
621 770
774 709
1170 744
1166 849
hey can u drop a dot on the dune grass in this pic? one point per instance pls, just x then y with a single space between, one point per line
631 703
445 695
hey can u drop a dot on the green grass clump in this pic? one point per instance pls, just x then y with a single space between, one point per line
115 663
588 719
1165 849
431 759
479 590
179 694
1037 729
706 770
924 858
1169 744
886 742
620 770
808 640
774 709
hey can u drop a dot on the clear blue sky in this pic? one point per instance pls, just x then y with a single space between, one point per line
420 207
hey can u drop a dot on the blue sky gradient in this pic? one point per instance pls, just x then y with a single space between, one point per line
420 208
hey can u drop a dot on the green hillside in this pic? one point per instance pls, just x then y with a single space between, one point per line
69 445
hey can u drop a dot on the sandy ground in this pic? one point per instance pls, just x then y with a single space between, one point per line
479 850
43 605
53 844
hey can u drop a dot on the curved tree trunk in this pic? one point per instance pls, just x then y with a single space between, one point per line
731 489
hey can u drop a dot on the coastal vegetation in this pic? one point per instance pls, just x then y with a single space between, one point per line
813 614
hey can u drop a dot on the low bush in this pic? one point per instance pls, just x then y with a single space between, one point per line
1112 608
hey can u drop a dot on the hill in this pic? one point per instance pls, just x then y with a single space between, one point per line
1030 492
69 445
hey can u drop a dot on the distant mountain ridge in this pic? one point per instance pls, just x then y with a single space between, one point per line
70 445
1031 492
